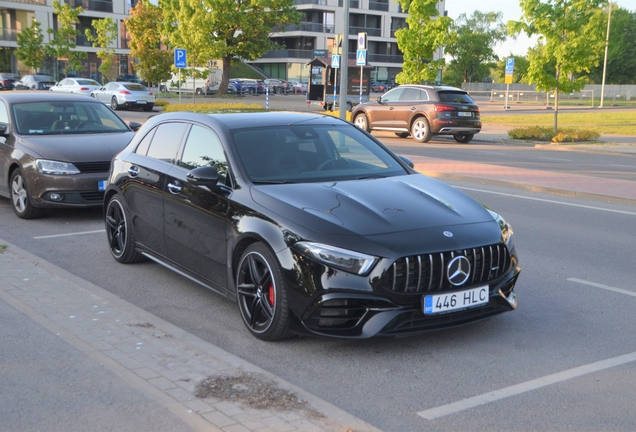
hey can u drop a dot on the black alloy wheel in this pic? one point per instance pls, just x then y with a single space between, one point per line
121 239
463 138
261 294
20 200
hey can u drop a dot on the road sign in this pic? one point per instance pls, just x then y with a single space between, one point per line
362 41
510 66
335 61
361 57
180 58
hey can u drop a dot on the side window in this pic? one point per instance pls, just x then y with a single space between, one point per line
411 94
203 148
4 115
112 86
393 95
423 95
144 145
166 141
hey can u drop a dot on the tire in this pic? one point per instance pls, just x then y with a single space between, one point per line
147 108
362 122
199 92
402 134
463 138
349 106
252 91
121 238
262 294
113 103
20 200
162 89
420 130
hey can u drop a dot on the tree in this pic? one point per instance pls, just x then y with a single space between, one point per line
63 40
145 42
621 55
104 38
427 32
472 42
30 49
229 30
570 40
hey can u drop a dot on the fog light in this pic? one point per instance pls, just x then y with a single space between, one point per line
55 197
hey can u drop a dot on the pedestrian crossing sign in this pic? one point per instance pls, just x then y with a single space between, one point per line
335 61
361 58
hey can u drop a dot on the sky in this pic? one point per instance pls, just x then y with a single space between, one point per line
511 11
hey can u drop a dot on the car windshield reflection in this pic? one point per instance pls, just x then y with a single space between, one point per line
55 118
304 153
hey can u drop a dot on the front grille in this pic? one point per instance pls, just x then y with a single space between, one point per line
90 197
427 273
92 167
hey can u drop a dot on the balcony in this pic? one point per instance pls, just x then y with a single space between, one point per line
370 31
306 26
9 35
379 5
353 4
285 53
92 5
380 58
315 2
39 2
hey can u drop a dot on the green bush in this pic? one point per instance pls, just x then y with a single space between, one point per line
546 134
214 107
161 102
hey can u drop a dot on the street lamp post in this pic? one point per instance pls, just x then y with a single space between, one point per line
344 63
609 18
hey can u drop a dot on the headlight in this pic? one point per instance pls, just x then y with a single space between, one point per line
58 168
343 259
506 229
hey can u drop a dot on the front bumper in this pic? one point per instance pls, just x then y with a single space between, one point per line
54 191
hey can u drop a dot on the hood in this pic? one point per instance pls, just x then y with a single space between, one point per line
372 207
77 148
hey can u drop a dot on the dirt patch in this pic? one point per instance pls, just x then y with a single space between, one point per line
254 392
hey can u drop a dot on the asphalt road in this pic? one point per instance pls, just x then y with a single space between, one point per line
556 363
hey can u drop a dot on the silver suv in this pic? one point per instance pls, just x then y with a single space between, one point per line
422 112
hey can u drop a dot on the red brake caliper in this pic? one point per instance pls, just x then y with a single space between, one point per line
271 296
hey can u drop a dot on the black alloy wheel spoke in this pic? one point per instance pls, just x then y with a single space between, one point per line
247 289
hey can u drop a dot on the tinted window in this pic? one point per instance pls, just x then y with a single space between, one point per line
135 87
393 95
144 145
204 148
454 96
166 141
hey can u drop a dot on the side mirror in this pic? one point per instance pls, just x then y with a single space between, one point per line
3 130
379 99
407 161
134 125
204 176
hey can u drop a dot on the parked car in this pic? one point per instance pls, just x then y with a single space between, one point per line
379 87
235 87
34 82
261 86
131 78
7 81
83 86
299 87
276 86
125 95
248 85
267 209
56 150
421 111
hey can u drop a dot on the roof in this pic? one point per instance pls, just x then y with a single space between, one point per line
40 95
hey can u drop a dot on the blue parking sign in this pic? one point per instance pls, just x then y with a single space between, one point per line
179 58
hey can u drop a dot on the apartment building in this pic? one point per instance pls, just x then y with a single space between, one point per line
315 36
18 14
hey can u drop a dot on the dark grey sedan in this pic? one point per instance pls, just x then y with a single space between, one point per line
56 149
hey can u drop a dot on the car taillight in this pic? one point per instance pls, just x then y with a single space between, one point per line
150 93
5 82
440 108
84 88
124 92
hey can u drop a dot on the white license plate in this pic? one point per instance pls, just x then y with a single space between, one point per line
141 101
457 300
101 185
464 114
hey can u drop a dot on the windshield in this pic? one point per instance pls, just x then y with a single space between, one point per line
42 78
306 153
455 96
68 117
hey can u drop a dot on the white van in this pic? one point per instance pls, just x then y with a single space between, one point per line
200 86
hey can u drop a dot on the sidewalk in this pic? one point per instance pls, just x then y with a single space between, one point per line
76 355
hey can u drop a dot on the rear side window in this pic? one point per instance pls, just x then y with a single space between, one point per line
166 141
455 96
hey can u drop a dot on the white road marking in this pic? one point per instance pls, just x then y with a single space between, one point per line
69 234
486 398
605 287
549 201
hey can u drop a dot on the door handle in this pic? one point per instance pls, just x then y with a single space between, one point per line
391 109
133 171
175 187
